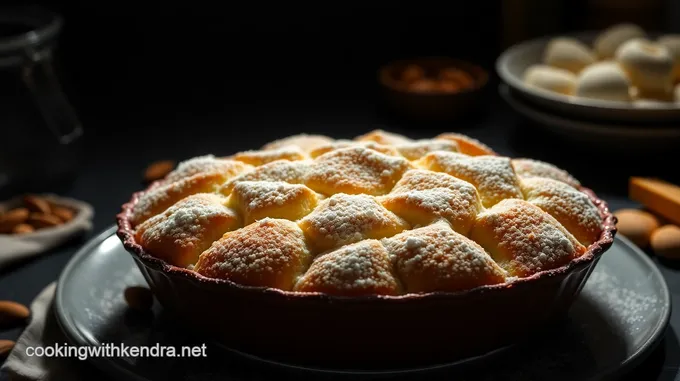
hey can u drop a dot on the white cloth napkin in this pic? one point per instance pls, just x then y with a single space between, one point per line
14 248
42 331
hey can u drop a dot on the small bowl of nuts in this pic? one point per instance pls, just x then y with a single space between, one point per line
433 88
32 224
40 215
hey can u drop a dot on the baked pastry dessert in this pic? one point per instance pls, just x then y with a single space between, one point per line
378 219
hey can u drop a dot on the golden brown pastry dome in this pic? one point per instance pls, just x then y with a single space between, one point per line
378 215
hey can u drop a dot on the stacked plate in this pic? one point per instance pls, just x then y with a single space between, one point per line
646 125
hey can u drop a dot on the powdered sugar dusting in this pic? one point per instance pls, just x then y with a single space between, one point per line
359 269
259 199
421 207
257 158
343 219
572 208
423 196
435 258
187 228
631 306
268 253
416 150
158 199
339 144
205 164
294 172
536 168
355 170
523 239
609 322
420 179
492 175
185 219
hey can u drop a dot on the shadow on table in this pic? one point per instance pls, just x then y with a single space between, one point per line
670 263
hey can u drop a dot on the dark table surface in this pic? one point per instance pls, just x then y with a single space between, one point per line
113 164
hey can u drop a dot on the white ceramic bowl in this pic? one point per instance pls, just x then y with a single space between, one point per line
514 61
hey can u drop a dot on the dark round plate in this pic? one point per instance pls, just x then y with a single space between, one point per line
619 317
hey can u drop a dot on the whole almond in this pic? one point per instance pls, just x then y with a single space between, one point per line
12 314
138 298
37 204
158 170
42 220
6 347
23 229
12 218
64 214
636 225
665 242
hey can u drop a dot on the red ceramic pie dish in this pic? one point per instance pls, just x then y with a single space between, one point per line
369 330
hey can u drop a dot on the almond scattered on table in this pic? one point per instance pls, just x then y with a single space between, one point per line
636 225
666 242
6 347
33 214
158 170
658 226
13 314
138 298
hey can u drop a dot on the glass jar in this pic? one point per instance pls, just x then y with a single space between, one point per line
40 134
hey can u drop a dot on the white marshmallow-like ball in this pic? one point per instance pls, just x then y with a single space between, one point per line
612 38
550 78
568 54
672 43
604 81
649 65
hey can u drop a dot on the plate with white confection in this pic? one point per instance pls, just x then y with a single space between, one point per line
621 74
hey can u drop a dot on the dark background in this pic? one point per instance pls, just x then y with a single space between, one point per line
118 60
205 56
